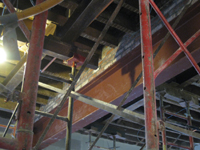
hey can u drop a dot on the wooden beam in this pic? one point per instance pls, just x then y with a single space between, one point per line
81 19
47 93
93 34
41 101
129 7
114 25
122 19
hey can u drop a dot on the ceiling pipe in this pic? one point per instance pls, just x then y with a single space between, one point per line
17 16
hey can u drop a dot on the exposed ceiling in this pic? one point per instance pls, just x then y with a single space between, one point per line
72 28
64 37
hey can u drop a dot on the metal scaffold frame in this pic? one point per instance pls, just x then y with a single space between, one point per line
27 111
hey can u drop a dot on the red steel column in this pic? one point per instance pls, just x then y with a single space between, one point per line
27 113
151 131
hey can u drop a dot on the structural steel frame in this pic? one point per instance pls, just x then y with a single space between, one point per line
26 120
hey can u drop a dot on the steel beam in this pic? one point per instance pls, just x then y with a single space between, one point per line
183 131
125 71
151 131
125 113
131 107
179 95
49 115
92 101
88 58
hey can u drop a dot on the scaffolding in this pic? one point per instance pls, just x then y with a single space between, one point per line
24 136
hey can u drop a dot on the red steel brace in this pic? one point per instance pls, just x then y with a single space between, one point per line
151 131
173 33
172 58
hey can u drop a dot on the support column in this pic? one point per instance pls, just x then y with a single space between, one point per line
151 133
114 142
29 95
162 117
189 122
70 113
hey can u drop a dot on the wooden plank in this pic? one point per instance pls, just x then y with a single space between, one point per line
93 34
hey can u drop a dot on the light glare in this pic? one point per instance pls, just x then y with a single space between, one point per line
2 55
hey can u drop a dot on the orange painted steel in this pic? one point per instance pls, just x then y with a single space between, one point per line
150 111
